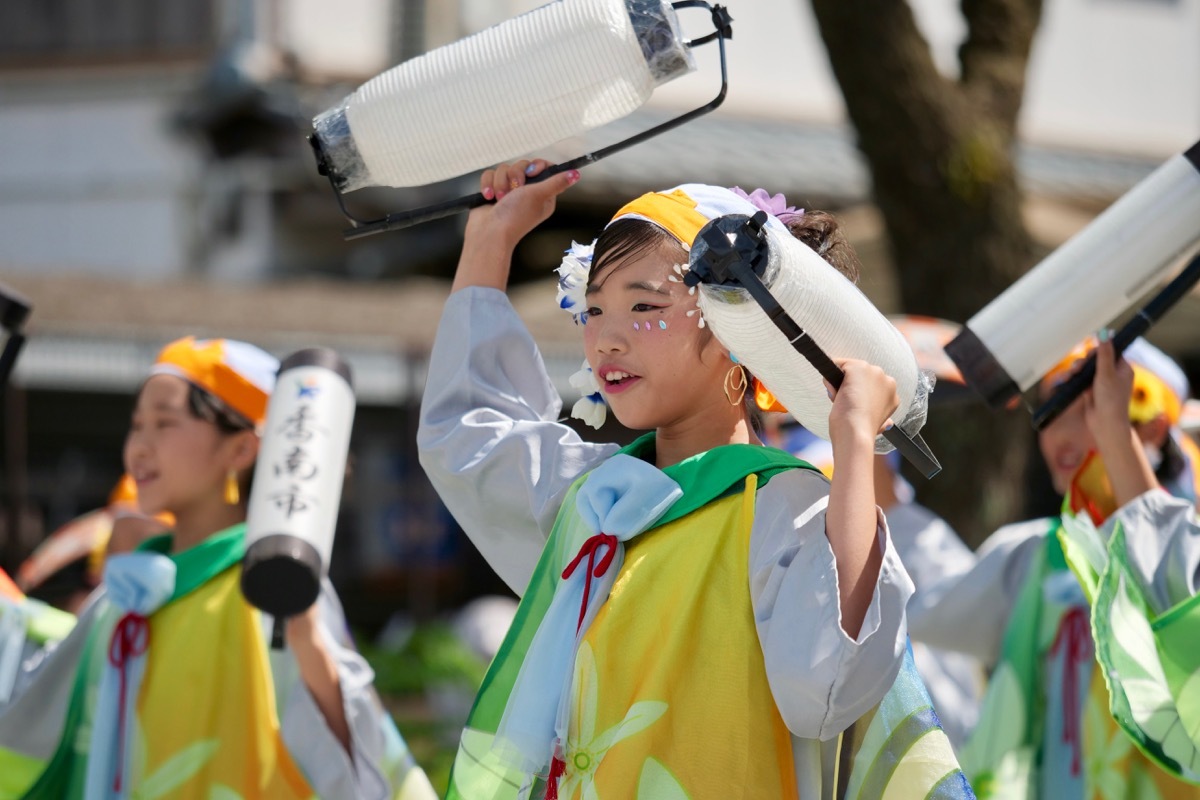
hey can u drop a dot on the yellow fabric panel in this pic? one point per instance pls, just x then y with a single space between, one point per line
923 765
1192 453
207 705
18 772
698 709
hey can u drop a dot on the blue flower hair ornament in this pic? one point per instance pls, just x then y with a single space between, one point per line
573 278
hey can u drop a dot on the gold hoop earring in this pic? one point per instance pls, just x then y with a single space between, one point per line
735 384
233 494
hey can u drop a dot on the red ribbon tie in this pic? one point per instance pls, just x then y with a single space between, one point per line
594 569
1075 636
130 639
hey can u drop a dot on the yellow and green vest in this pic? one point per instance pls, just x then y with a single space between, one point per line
1133 731
206 724
669 696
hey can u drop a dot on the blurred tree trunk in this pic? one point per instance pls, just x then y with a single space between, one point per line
941 157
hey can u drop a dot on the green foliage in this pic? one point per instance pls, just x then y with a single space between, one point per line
432 656
433 659
427 742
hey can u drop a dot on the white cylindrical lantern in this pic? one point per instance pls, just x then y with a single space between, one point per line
1084 285
831 310
297 486
555 72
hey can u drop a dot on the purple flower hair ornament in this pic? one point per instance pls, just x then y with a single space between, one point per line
775 205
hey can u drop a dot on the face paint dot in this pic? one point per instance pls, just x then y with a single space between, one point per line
662 325
635 326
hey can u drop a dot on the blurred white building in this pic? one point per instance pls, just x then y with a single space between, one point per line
113 124
155 180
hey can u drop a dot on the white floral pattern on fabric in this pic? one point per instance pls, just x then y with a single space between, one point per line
172 773
585 747
573 278
591 407
657 783
1103 778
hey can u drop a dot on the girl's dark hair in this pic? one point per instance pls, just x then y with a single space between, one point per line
630 238
821 232
626 239
208 407
205 405
1174 461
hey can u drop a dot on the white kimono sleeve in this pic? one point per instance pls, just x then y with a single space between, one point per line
489 439
333 773
969 612
32 723
934 555
1162 543
929 548
822 680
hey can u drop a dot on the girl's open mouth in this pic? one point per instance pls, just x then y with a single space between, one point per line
616 380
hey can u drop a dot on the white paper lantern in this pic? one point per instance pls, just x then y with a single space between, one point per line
542 77
833 312
1084 285
297 487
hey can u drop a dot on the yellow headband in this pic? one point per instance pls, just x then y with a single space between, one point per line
239 374
684 210
1151 397
675 212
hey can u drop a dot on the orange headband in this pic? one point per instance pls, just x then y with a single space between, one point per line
207 364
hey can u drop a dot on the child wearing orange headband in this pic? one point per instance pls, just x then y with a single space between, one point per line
168 684
701 616
1090 617
67 567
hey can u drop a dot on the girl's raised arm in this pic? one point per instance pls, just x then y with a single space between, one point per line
1106 409
489 438
861 407
493 230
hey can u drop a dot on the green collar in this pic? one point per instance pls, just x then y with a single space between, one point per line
197 565
1055 557
709 475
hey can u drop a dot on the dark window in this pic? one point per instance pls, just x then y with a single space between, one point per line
67 32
